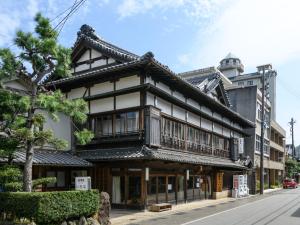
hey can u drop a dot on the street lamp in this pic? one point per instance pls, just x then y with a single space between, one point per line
263 69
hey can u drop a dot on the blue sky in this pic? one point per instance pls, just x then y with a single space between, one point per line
186 34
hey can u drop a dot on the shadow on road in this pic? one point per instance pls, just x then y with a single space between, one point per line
296 213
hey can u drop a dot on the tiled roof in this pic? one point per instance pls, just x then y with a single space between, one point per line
88 34
212 81
51 158
156 154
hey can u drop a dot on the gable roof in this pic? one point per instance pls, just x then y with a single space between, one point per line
210 82
87 37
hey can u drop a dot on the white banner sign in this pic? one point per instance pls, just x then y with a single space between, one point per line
82 183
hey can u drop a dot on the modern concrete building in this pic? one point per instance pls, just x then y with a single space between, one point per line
244 93
232 67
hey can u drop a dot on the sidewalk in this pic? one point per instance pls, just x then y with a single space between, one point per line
126 216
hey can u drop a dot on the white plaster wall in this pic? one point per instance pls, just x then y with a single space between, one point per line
76 93
150 99
102 105
16 85
95 54
217 128
206 124
206 110
163 87
61 129
111 60
179 96
193 119
164 106
217 115
178 112
82 67
102 88
226 132
100 62
128 100
85 56
226 120
193 103
149 80
126 82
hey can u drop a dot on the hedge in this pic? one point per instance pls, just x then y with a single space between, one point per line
50 207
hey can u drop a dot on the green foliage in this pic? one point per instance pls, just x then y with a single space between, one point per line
50 207
21 120
293 167
10 178
43 181
84 136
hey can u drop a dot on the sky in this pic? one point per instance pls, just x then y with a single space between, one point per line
185 34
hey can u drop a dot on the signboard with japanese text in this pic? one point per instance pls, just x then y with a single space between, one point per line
82 183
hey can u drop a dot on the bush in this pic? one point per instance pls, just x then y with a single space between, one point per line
50 207
43 181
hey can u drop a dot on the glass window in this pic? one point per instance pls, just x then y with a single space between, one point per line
161 184
51 174
61 179
241 83
171 184
250 82
134 187
104 125
132 121
152 184
120 123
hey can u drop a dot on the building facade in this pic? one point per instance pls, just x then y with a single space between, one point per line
157 138
244 92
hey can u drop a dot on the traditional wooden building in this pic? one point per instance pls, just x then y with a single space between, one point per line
158 138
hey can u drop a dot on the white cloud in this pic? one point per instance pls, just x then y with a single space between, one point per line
257 31
194 9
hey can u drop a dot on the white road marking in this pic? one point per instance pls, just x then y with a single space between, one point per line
203 218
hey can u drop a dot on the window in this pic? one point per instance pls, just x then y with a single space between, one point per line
120 123
161 184
257 143
104 125
205 138
241 83
61 179
259 111
250 82
218 142
51 174
134 183
132 121
123 123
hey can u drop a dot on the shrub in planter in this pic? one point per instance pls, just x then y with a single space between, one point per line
50 207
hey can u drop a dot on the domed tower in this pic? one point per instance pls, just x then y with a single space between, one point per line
231 66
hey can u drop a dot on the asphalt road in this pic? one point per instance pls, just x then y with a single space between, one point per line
280 208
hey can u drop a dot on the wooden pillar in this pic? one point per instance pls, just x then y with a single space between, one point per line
167 197
126 186
185 186
176 188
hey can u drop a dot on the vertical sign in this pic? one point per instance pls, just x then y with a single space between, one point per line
241 145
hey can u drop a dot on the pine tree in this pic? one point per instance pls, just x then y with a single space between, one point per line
23 111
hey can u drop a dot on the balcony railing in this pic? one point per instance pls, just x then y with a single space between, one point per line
178 144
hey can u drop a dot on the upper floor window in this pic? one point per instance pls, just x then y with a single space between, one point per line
121 123
250 82
241 83
104 125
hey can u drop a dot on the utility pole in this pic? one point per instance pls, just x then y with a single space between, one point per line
291 123
262 68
